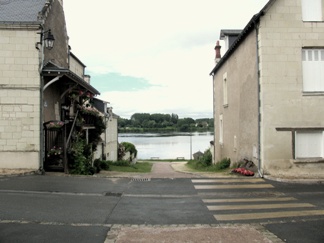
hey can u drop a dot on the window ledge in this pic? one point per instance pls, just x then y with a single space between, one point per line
313 93
225 106
308 161
312 21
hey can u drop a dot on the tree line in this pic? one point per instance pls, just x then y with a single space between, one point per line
157 122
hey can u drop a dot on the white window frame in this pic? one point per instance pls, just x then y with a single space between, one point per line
225 90
313 69
309 144
235 144
221 129
312 10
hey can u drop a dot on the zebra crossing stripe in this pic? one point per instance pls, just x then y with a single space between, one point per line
268 215
242 180
260 206
231 200
246 186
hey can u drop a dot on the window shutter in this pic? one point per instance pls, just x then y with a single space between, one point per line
312 10
309 145
313 70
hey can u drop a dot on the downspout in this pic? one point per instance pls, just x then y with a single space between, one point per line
217 59
214 112
260 171
104 147
41 110
41 132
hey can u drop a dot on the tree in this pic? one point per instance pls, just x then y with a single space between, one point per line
174 118
140 117
163 122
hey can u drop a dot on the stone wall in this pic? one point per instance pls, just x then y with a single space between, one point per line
283 34
239 115
19 99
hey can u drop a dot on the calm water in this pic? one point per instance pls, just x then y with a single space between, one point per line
167 146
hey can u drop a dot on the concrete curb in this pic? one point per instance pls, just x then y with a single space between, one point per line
295 180
226 233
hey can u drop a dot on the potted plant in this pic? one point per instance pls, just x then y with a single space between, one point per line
55 125
54 158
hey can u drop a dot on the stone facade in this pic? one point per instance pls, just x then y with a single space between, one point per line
267 105
19 98
282 37
35 83
108 148
112 138
239 114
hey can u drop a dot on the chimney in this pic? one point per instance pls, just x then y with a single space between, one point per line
86 78
218 54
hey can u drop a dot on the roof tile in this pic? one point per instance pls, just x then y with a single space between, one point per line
20 10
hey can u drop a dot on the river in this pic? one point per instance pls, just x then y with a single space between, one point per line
167 145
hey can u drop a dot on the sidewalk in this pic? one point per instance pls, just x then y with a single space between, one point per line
180 170
166 170
190 234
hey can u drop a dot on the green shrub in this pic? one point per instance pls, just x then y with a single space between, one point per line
104 165
129 147
125 147
79 161
100 165
224 164
207 158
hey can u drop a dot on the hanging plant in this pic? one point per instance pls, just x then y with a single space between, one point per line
55 125
89 110
80 96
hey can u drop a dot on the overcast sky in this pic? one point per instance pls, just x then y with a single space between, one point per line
153 56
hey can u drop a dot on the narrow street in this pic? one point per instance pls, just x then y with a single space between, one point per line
164 204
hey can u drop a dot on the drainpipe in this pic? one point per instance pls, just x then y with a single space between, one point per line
217 59
41 139
260 171
104 147
41 110
214 110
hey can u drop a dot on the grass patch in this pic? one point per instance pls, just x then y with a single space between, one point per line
222 166
164 160
139 167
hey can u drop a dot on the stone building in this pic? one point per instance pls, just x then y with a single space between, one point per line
269 90
41 85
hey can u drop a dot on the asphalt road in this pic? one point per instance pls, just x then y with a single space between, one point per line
55 208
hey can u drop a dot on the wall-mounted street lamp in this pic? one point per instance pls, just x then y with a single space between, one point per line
48 39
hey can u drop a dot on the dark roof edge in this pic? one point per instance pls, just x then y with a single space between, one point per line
74 56
73 77
247 29
102 100
11 24
83 83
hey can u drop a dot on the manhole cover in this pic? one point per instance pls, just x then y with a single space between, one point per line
141 179
112 194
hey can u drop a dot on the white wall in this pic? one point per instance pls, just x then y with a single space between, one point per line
283 34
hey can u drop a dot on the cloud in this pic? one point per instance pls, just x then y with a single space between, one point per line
119 82
159 100
153 56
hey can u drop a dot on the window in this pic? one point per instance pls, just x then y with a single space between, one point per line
313 70
235 144
309 144
312 10
221 129
225 95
